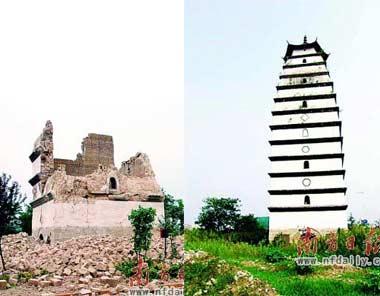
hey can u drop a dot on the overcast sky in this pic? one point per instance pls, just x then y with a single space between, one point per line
111 67
233 56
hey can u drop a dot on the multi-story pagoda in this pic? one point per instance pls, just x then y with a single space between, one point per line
307 177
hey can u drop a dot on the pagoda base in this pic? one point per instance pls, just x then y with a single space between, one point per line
291 223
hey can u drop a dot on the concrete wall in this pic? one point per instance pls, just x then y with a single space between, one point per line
63 220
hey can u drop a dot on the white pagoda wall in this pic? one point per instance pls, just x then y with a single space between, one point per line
300 118
297 165
296 149
300 80
306 69
310 104
296 200
316 132
289 183
305 91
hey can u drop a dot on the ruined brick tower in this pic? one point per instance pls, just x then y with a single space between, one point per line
88 195
96 150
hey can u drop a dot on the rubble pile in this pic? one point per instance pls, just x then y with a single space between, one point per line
83 265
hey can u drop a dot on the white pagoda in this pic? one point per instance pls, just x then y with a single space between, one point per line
307 186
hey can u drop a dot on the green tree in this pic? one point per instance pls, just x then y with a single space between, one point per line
10 206
246 223
247 229
26 219
173 221
142 223
174 215
219 214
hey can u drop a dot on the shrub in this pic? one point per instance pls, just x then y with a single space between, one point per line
206 275
275 255
127 267
24 276
154 268
371 283
174 270
360 232
279 241
303 269
259 236
4 276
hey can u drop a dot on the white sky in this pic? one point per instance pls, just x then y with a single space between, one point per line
111 67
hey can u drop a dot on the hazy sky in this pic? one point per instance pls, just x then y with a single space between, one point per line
233 56
112 67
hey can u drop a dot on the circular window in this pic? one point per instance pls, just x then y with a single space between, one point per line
304 117
305 149
304 80
306 182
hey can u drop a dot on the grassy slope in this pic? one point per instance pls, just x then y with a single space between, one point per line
324 281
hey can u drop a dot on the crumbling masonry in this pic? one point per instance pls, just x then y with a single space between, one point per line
88 195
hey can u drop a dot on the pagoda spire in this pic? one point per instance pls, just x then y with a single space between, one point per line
305 39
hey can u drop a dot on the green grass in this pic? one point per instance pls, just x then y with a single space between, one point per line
282 275
287 282
211 276
207 270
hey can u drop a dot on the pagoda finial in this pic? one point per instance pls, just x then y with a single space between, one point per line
305 39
